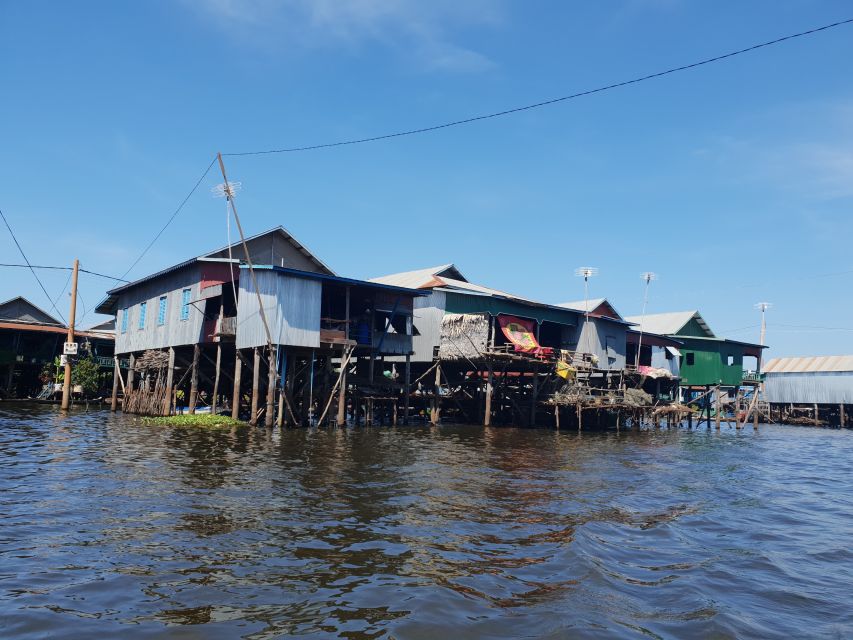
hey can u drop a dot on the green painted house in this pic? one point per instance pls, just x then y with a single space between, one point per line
706 359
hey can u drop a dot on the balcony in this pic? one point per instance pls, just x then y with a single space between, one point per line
752 377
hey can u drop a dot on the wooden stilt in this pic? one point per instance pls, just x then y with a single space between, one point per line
407 389
256 386
342 392
816 413
289 384
534 392
717 407
282 394
490 385
394 413
756 412
436 390
580 416
194 379
235 395
271 378
116 376
170 378
214 401
842 418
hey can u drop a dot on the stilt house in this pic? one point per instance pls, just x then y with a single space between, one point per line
705 360
31 338
602 332
291 319
810 390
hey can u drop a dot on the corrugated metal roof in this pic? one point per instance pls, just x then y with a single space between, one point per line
420 278
580 305
313 275
669 323
809 364
477 288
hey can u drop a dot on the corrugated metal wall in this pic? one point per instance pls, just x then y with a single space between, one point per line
607 340
660 361
830 387
291 305
428 312
174 332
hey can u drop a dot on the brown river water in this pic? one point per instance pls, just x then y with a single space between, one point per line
113 529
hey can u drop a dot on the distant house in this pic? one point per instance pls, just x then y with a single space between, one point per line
821 386
30 338
705 359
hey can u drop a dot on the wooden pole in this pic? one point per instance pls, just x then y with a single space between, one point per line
341 419
282 394
72 315
408 388
580 416
170 379
214 401
717 407
557 416
235 394
436 390
755 413
194 379
842 417
116 377
271 379
490 384
256 384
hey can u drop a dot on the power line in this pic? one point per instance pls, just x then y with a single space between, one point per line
24 256
168 222
545 103
41 266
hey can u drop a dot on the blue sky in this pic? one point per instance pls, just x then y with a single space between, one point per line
734 182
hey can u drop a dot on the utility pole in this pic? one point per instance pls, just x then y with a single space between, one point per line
66 382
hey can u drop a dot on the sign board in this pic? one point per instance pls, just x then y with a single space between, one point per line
70 349
63 360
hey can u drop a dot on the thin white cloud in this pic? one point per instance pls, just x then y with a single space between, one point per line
428 32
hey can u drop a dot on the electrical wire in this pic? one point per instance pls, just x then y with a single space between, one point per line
24 256
168 222
67 280
545 103
41 266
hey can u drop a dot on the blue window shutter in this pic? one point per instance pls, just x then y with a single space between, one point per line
185 304
161 311
124 320
143 307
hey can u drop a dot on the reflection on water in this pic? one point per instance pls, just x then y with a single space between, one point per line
115 529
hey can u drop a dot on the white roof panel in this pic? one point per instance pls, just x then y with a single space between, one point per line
809 364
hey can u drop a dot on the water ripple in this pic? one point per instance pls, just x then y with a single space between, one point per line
112 528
